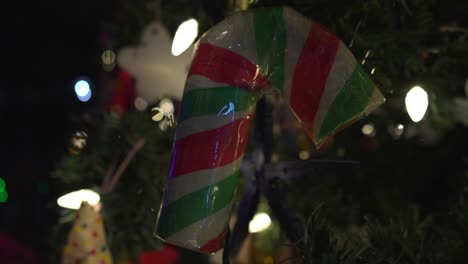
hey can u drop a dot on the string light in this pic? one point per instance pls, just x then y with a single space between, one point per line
416 102
108 60
83 90
399 129
304 155
74 199
186 33
260 222
108 57
368 129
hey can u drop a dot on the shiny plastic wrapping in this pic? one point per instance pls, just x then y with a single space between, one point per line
234 63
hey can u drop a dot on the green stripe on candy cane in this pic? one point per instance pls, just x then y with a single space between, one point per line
199 102
270 36
193 207
196 238
352 100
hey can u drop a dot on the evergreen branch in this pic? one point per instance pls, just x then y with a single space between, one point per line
115 178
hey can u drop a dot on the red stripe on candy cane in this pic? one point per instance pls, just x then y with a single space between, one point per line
210 149
311 73
215 244
224 66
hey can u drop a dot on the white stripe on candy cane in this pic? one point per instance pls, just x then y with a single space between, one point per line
342 68
209 122
297 31
188 183
236 33
198 234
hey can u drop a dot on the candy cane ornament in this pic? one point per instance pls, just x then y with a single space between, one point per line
234 63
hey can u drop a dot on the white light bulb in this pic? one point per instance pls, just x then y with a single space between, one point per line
416 102
186 33
399 129
82 90
260 222
73 200
368 129
304 154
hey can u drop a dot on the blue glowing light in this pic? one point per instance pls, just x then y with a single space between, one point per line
83 91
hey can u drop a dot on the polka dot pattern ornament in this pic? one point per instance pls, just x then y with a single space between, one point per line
87 241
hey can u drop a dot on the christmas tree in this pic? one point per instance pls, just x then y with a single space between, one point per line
405 203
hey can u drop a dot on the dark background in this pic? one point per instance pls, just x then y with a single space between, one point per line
46 46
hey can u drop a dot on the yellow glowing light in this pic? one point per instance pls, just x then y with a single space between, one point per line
108 57
268 260
368 129
367 54
186 33
73 200
260 222
303 155
78 139
416 102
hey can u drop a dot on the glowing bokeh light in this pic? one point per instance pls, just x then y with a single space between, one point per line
260 222
304 155
140 104
368 129
73 200
108 57
2 184
399 129
83 90
79 139
3 196
186 33
416 102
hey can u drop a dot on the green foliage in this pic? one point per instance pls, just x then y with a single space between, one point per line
322 245
129 212
409 240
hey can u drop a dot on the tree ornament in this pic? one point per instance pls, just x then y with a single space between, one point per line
77 142
87 239
235 64
123 95
158 73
